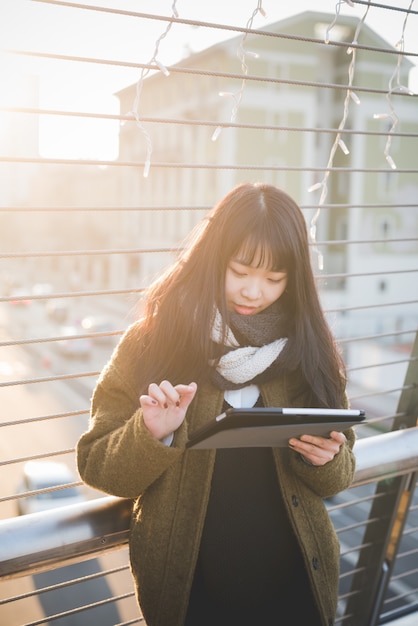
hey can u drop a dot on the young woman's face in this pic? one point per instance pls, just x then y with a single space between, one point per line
250 289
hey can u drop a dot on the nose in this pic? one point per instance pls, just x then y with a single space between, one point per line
251 290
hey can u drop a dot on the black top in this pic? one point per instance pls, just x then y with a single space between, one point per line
250 567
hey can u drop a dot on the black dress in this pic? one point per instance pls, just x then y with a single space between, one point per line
250 570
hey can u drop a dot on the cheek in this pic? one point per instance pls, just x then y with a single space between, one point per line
229 285
278 291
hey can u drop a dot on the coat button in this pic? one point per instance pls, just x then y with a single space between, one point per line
315 563
295 501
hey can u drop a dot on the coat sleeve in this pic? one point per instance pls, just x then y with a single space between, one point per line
118 455
337 475
328 480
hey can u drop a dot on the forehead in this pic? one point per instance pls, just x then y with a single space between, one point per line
259 256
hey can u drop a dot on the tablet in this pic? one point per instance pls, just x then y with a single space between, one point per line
270 427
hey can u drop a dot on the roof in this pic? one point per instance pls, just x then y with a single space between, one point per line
291 25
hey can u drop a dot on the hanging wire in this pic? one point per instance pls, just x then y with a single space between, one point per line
242 54
398 88
144 73
338 142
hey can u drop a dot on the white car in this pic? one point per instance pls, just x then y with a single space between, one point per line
100 324
74 348
57 310
41 475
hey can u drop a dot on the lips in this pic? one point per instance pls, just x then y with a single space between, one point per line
244 310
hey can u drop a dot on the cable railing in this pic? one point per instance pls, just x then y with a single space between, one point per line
80 531
199 123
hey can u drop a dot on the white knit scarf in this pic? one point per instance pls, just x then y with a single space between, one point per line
243 364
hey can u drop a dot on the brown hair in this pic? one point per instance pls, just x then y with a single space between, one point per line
179 310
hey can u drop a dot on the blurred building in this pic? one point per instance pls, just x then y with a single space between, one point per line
285 154
288 144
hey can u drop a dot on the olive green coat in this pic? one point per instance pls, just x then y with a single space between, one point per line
170 487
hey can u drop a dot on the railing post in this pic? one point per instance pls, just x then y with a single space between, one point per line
384 532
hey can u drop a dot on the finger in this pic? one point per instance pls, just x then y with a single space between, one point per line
312 454
323 451
186 394
314 440
157 393
324 443
339 437
172 396
146 401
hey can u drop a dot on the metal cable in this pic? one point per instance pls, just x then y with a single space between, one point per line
199 123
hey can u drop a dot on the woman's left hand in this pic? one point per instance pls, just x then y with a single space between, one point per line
318 450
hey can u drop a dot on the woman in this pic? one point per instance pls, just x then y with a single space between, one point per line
234 536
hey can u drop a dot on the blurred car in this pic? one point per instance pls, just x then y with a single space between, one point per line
42 289
19 297
79 348
38 475
100 324
57 310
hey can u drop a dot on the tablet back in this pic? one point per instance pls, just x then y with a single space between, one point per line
271 427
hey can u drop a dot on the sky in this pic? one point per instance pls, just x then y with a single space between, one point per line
42 27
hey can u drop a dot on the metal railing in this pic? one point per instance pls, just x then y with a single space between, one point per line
50 539
42 540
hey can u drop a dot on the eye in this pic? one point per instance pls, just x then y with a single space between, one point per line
277 277
237 272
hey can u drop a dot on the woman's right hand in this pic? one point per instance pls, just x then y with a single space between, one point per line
165 406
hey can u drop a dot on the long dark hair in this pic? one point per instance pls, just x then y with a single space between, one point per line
179 307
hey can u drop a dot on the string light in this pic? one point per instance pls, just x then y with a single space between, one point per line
144 73
391 89
242 54
338 142
334 21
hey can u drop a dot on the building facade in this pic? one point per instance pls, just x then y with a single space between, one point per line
281 134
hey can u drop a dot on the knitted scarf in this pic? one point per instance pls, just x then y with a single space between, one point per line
251 348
